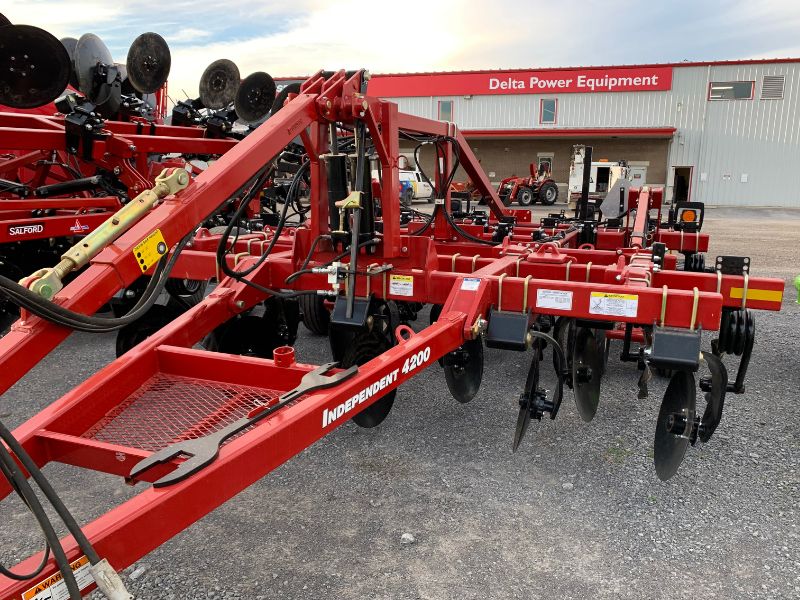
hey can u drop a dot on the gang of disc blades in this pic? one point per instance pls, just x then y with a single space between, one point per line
34 67
464 377
148 63
255 97
90 52
587 372
669 448
219 83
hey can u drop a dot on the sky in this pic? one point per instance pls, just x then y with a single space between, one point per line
299 37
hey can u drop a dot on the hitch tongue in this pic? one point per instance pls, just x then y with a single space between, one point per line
48 282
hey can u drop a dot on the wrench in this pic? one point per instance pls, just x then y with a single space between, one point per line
203 451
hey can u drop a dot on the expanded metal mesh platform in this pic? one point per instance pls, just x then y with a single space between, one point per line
168 408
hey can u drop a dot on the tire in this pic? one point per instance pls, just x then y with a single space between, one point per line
316 316
525 196
407 198
142 328
548 193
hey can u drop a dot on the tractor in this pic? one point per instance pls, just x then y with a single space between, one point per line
527 190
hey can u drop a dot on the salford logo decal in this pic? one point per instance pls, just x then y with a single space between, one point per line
78 227
25 229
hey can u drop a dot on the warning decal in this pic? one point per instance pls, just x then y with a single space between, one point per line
557 299
150 250
614 305
54 588
470 284
401 285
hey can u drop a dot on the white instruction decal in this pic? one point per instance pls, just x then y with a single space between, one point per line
557 299
54 588
401 285
614 305
470 284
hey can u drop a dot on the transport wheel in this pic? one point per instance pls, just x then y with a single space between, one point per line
408 198
187 291
525 196
316 316
142 328
247 335
548 193
364 348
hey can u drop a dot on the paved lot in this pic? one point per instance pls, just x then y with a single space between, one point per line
577 513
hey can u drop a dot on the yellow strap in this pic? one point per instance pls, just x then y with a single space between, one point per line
694 308
569 264
663 304
744 290
588 271
453 264
500 292
518 263
475 260
525 293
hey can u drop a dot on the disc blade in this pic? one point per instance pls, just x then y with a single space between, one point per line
715 397
69 44
523 420
149 61
280 99
4 20
365 347
669 448
587 372
255 97
219 83
90 51
34 67
464 377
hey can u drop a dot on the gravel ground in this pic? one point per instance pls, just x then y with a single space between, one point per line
577 512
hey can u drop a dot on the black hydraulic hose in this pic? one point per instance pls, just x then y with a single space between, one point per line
51 495
92 324
305 271
32 501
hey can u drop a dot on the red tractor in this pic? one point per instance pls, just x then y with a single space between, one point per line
527 190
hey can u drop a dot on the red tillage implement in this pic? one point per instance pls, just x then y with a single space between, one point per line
507 283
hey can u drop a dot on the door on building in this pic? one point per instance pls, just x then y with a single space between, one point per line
682 187
544 163
603 177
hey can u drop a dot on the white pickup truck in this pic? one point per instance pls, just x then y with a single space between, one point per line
413 187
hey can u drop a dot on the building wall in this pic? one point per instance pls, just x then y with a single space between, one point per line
725 142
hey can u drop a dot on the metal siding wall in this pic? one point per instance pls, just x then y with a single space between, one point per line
757 137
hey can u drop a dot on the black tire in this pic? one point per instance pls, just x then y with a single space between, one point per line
187 291
316 316
363 349
142 328
525 196
548 193
408 198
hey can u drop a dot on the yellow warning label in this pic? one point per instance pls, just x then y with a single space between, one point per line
401 285
54 588
765 295
150 250
614 305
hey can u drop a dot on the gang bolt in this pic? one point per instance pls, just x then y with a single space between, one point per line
240 304
404 249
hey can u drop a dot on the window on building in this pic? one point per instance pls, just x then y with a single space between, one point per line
731 90
772 87
445 110
548 108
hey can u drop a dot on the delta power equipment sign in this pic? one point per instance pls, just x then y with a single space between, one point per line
556 81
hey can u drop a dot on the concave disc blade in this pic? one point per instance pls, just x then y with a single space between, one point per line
255 97
219 83
464 379
69 44
531 385
361 350
34 67
715 396
149 61
280 99
668 448
587 372
90 51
